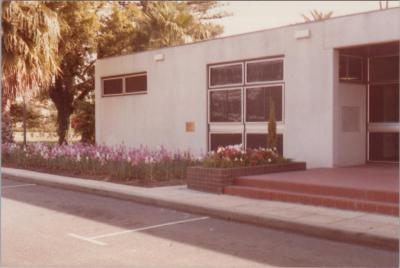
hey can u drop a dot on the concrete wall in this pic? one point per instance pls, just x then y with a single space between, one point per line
177 87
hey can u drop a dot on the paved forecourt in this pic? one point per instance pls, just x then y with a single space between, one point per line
48 226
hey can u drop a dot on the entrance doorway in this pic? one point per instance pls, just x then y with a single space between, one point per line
377 66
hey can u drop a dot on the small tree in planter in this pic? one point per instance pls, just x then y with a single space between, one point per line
272 138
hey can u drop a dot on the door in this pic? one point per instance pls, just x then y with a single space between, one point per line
383 108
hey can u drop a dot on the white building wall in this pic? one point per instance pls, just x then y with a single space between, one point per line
177 87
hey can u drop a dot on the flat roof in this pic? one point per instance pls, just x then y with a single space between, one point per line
249 33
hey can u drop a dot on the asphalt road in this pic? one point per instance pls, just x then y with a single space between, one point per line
43 226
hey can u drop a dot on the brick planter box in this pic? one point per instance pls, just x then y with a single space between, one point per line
215 179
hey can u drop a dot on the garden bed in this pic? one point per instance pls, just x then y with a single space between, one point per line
139 166
220 168
216 179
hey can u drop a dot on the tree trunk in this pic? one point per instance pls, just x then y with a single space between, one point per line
62 98
24 122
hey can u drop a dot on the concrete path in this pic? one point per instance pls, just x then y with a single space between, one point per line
339 225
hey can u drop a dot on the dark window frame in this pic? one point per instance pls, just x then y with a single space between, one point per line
241 106
123 77
280 59
280 137
219 65
225 133
282 85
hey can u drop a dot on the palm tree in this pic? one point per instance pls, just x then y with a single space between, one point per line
29 46
317 16
173 23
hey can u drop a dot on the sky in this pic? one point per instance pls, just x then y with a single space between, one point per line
248 16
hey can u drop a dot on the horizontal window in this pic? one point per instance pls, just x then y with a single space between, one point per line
264 71
224 139
136 83
350 68
258 101
259 140
112 86
125 84
225 106
384 69
226 75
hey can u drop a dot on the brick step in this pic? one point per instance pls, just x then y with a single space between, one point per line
345 192
315 199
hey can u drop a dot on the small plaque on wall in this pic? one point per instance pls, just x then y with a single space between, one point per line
190 126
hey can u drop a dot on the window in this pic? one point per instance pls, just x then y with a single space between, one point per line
225 106
125 84
384 69
226 75
258 102
137 83
224 139
351 68
264 71
239 100
384 103
259 140
384 146
112 86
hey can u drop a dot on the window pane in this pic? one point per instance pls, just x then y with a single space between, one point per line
350 68
384 69
265 71
225 106
384 146
258 101
355 69
226 75
136 83
225 140
256 141
384 103
112 86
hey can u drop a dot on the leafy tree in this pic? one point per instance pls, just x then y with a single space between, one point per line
29 47
137 26
82 121
316 15
79 29
92 29
272 139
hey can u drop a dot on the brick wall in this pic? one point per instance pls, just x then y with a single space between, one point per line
215 179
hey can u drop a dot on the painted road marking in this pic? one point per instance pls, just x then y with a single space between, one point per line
87 239
149 227
94 239
18 185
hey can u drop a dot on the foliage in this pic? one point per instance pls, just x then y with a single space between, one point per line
6 128
32 115
137 26
79 30
272 138
82 121
115 162
29 46
236 156
316 15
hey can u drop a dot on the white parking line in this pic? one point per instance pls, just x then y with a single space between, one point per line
149 227
18 185
94 239
88 239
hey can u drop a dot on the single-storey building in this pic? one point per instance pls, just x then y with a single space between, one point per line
334 84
